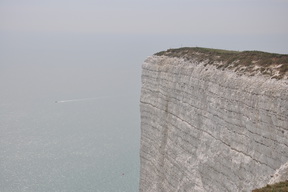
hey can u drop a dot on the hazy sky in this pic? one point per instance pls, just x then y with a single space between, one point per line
146 17
146 26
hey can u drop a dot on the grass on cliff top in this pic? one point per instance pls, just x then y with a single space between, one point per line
278 187
195 49
251 62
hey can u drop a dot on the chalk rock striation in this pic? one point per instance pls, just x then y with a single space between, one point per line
212 121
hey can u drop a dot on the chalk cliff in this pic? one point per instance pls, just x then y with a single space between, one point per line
213 120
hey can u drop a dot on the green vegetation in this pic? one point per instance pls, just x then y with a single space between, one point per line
248 62
278 187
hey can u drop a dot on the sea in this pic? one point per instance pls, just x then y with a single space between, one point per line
69 115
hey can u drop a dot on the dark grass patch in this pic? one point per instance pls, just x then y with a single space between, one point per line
278 187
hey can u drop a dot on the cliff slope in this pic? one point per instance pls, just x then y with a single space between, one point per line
212 120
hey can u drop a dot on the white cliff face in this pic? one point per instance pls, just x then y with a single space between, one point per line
205 129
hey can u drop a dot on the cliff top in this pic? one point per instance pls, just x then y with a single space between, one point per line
242 62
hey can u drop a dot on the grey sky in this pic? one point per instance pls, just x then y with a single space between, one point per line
146 17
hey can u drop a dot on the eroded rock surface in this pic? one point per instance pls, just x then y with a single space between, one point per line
206 129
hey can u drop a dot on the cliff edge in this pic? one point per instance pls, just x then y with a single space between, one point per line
213 120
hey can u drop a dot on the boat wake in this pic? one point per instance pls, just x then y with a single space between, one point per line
87 99
77 100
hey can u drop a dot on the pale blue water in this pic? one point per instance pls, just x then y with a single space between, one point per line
78 145
69 119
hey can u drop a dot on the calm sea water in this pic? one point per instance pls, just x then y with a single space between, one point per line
77 146
68 126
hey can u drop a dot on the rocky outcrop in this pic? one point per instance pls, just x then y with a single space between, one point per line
208 125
